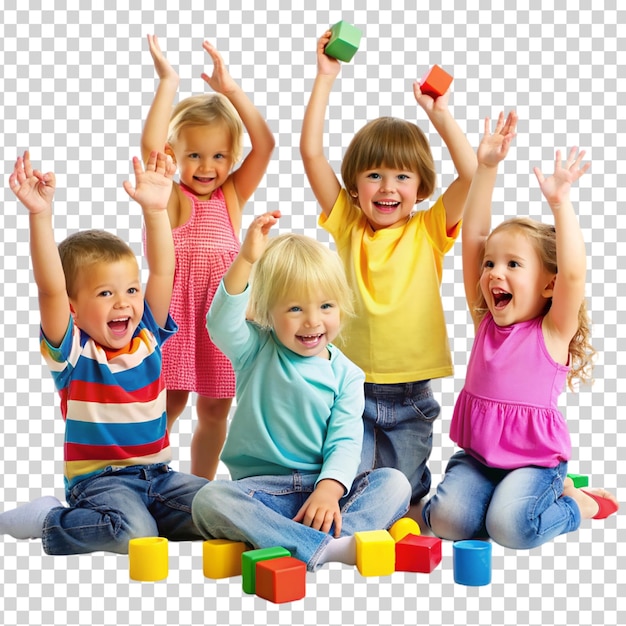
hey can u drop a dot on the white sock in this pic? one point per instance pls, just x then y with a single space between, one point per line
26 522
340 549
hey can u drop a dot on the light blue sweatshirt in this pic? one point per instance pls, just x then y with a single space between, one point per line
292 412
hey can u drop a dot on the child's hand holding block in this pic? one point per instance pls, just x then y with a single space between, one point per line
344 41
436 82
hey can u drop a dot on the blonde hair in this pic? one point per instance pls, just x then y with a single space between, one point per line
81 250
295 265
543 239
394 143
204 110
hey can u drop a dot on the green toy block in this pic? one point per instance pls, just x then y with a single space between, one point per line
344 41
249 560
580 480
375 553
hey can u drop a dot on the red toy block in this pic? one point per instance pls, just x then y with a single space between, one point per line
418 554
436 82
281 580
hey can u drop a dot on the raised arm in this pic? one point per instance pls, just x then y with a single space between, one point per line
152 191
238 275
154 135
461 152
35 191
477 220
322 178
248 175
569 286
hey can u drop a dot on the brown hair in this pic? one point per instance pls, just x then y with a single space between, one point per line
82 249
390 142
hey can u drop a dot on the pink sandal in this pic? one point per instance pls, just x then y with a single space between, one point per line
606 506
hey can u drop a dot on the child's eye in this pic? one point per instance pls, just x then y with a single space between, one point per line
373 176
488 264
403 177
327 305
514 264
294 309
194 155
105 293
133 290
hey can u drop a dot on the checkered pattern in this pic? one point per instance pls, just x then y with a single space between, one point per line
75 85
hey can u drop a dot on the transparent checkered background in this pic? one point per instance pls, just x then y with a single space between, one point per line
75 85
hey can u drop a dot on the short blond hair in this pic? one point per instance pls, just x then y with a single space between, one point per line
83 249
394 143
204 110
295 265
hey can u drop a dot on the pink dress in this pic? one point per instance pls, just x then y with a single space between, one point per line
506 415
205 245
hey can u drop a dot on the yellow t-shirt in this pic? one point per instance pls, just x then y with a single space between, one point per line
399 332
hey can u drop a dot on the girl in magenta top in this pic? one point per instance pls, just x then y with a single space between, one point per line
525 287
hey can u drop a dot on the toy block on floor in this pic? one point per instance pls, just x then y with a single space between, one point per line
221 558
375 553
281 580
344 41
418 554
579 480
403 527
436 82
249 560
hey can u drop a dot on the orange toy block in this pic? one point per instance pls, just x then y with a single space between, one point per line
436 82
221 558
418 554
375 553
281 580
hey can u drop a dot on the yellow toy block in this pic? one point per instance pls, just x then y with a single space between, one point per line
375 553
221 558
403 527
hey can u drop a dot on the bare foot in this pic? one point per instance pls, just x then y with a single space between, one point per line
587 505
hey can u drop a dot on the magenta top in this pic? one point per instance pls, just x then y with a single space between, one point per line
507 414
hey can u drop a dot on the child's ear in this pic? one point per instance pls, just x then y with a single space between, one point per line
548 290
169 151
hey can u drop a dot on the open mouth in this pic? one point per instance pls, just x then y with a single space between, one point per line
500 298
203 180
309 341
386 206
119 326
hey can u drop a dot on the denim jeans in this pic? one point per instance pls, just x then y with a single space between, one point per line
520 508
398 431
108 510
259 510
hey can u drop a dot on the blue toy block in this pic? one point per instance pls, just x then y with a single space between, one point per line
344 41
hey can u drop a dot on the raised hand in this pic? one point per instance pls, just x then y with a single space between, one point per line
494 147
325 64
32 188
556 188
428 103
161 64
219 80
256 237
153 185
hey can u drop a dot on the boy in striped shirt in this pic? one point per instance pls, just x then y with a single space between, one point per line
101 336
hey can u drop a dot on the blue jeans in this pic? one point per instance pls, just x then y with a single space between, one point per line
259 510
520 509
108 510
398 431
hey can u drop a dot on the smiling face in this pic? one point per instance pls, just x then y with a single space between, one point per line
307 324
514 283
387 196
204 157
108 302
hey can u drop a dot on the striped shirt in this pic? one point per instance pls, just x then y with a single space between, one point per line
112 401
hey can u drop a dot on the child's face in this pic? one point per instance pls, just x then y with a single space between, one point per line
387 196
514 282
204 157
307 324
108 302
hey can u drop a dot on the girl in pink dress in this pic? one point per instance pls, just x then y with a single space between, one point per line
204 136
509 482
